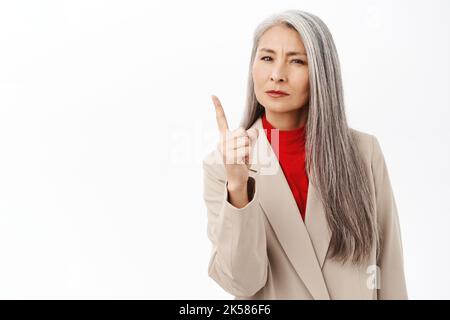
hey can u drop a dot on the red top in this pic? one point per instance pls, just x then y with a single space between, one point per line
291 156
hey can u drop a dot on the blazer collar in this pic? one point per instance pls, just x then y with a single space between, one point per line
305 243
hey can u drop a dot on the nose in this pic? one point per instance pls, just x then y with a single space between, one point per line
277 79
278 75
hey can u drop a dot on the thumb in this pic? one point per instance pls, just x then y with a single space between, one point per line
252 134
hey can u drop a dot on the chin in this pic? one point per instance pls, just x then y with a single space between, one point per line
278 107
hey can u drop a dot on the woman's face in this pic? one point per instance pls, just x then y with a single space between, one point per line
278 69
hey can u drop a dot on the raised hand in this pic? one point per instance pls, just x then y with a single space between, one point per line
235 147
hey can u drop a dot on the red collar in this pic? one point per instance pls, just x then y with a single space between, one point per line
286 137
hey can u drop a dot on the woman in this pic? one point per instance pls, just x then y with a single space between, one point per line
299 205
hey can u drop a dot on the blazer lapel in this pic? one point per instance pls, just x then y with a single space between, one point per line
317 224
305 244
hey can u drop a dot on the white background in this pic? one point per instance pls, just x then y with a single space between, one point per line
105 115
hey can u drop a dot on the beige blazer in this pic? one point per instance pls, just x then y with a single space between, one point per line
265 250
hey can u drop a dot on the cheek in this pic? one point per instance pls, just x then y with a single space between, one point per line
259 74
301 81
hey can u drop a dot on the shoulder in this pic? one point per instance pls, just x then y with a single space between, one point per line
364 141
370 149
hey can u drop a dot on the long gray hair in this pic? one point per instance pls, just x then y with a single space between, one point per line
333 162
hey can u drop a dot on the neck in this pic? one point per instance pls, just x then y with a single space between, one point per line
288 120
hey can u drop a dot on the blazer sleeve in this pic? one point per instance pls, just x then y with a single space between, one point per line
238 261
392 284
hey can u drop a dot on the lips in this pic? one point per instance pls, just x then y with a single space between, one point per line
277 93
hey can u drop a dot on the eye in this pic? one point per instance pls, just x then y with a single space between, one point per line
301 62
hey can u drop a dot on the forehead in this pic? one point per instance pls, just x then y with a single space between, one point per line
281 37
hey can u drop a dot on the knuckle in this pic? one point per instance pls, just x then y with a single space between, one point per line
239 131
228 142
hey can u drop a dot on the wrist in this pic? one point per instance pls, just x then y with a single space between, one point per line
236 186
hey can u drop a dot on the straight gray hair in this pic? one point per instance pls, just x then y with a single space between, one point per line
333 163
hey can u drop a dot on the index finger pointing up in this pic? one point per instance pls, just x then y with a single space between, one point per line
220 114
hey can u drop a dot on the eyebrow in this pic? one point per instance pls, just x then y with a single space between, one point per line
289 53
